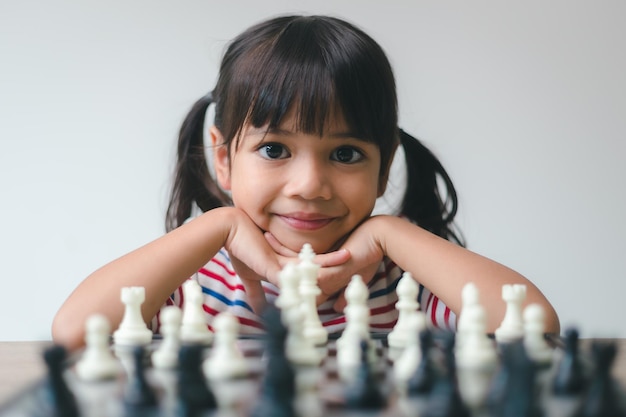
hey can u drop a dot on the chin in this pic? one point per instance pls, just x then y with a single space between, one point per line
295 244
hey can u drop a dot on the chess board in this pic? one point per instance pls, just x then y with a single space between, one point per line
320 390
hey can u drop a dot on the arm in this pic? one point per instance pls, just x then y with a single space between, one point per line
441 266
160 267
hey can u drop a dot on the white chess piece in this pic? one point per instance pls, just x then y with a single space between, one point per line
309 290
537 348
194 328
512 326
226 360
478 350
166 355
356 330
299 349
407 362
97 361
476 358
289 293
470 297
132 330
407 305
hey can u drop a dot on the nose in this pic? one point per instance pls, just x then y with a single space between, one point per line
309 179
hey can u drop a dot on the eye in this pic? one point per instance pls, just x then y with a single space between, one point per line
273 151
347 155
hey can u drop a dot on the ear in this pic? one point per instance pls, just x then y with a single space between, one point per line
384 177
221 161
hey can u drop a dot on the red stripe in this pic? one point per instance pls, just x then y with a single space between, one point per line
446 317
242 320
338 320
433 312
221 279
381 310
181 296
430 298
224 266
388 325
268 290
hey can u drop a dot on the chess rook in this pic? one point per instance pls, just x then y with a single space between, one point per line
132 331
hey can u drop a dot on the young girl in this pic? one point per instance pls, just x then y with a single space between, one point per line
304 134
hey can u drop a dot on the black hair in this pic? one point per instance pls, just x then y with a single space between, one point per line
317 65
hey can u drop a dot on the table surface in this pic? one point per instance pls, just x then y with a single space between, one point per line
21 364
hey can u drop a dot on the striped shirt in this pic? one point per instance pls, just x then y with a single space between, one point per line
224 290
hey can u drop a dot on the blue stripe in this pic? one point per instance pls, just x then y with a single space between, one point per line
420 293
225 300
224 254
386 290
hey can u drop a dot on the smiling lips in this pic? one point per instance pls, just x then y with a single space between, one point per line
303 221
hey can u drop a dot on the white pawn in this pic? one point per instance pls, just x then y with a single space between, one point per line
349 345
478 349
132 330
405 365
356 331
166 355
512 326
289 294
226 360
309 290
407 306
476 359
97 362
194 328
537 348
470 298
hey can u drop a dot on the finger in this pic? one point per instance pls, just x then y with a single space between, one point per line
277 246
255 294
334 258
341 303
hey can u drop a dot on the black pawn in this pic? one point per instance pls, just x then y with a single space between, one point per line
423 379
364 393
138 394
444 399
194 395
278 385
57 392
570 378
514 390
602 398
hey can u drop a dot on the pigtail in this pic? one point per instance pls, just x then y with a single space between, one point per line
423 202
193 183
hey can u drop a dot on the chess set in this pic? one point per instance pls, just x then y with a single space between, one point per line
297 369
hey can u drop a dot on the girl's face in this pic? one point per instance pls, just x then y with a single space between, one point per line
302 188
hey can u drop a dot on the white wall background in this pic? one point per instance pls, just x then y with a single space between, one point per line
524 102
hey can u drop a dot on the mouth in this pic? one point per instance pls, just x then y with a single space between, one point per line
305 221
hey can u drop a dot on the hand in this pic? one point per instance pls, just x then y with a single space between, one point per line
253 258
361 253
366 255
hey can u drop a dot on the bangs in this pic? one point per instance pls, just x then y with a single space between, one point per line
316 68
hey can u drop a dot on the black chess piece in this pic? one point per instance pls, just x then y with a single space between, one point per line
194 394
602 398
444 399
58 395
570 377
514 391
423 379
139 396
364 392
278 385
